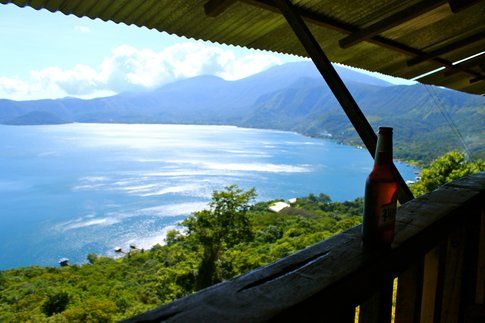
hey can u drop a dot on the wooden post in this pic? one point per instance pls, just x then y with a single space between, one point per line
472 307
377 309
449 304
335 83
409 290
432 283
480 292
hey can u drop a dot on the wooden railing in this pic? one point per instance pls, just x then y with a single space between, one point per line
437 257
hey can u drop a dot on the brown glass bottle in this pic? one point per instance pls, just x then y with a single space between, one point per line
380 201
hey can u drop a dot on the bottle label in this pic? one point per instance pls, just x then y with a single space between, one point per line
387 214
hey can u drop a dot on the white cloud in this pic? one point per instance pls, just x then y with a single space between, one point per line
129 68
82 29
13 88
248 65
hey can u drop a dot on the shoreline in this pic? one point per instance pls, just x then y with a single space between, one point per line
328 136
290 134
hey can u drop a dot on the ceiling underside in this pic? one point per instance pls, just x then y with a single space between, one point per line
396 37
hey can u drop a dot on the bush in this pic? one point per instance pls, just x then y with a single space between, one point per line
444 169
92 257
92 310
55 303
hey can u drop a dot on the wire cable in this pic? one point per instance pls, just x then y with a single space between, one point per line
435 98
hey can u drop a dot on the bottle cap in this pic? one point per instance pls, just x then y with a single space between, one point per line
385 130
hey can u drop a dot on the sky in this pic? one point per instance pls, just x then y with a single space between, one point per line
51 55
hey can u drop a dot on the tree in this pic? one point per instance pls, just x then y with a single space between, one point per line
55 303
92 257
444 169
223 225
172 237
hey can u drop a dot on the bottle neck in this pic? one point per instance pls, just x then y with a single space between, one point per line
383 155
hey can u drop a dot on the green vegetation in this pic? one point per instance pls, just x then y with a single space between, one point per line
231 237
228 239
444 169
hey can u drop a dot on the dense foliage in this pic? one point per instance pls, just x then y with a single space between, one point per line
231 237
228 239
444 169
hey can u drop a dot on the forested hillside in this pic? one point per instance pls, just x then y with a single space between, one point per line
109 289
416 112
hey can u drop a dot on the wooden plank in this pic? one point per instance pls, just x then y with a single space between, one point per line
472 62
391 21
314 312
378 307
480 291
447 49
409 291
213 8
473 271
451 297
477 79
459 5
434 210
340 91
430 284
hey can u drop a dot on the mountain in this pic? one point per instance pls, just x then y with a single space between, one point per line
202 99
289 97
419 114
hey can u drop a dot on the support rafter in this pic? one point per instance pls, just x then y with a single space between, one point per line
338 88
459 5
393 20
346 28
213 8
447 48
470 63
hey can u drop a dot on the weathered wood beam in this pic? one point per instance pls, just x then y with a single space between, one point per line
409 291
393 20
431 284
213 8
346 28
447 48
448 308
378 307
335 83
477 79
472 62
459 5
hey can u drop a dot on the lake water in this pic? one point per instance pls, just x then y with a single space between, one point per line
70 190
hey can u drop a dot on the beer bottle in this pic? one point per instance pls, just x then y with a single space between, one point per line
380 201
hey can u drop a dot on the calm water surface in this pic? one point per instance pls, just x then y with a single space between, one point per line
69 190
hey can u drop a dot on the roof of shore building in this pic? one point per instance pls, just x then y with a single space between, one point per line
401 38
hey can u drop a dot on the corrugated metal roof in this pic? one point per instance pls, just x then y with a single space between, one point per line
258 24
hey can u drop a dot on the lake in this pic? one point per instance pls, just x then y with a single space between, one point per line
69 190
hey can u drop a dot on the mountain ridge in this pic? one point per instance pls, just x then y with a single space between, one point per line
292 97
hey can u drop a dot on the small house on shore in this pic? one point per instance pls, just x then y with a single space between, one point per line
277 207
63 262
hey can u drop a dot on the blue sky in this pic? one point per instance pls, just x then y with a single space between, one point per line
50 55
